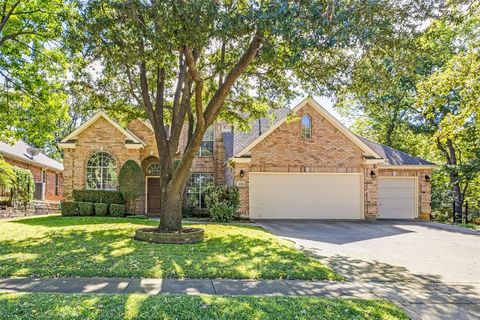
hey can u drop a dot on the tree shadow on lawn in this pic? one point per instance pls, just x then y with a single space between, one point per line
49 306
61 221
114 253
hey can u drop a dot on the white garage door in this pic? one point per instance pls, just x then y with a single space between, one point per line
396 198
306 196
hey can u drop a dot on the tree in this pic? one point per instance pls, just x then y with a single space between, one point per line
131 183
420 93
194 61
32 64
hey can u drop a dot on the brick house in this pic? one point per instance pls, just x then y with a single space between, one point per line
303 165
47 172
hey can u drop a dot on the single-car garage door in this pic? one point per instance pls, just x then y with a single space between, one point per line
306 196
397 198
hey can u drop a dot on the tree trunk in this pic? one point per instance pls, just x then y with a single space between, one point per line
170 210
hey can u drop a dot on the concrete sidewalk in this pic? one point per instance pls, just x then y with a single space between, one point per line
432 301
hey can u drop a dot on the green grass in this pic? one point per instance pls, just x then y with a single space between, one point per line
101 246
136 306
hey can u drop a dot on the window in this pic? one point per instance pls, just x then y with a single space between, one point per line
306 127
102 172
196 183
206 148
44 176
56 184
153 169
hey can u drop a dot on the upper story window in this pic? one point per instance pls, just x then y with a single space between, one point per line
153 169
101 172
206 148
306 127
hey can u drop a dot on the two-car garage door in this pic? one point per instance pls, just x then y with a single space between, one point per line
306 196
327 196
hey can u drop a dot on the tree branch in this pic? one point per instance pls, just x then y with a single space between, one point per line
9 13
218 99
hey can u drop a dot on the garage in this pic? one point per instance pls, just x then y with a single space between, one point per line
397 197
306 196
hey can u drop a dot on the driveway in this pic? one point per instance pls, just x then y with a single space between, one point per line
413 260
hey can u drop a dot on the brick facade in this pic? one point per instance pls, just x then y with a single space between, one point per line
329 151
103 136
50 178
283 150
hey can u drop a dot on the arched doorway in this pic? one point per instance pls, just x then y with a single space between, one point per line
151 168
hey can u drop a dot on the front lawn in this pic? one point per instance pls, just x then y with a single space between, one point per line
136 306
104 247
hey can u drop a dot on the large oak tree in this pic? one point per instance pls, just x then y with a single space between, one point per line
189 62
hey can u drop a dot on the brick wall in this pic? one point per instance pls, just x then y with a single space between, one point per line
102 136
37 177
99 136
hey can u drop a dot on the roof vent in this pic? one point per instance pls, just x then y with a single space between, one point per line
32 152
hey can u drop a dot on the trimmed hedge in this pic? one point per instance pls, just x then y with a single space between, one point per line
69 208
117 210
98 196
85 208
101 209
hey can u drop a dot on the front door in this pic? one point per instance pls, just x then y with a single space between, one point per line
153 195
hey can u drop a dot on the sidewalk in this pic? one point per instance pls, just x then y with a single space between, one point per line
434 300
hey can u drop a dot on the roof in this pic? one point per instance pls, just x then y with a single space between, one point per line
395 157
392 157
19 152
127 133
367 151
243 139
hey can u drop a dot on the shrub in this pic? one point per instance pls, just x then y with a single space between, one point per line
7 174
85 208
222 202
69 208
117 210
101 209
98 196
131 183
23 186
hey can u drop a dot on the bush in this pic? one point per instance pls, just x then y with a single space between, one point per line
85 208
23 186
101 209
131 183
117 210
7 174
98 196
69 208
222 202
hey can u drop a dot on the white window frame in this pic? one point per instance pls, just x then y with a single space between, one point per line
204 140
201 186
102 168
303 128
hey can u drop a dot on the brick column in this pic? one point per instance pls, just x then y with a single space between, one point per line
371 193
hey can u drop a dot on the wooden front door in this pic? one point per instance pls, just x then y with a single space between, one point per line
153 195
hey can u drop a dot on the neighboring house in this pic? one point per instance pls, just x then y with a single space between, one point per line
303 165
47 173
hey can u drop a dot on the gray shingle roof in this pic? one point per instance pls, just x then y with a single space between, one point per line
393 156
19 152
243 139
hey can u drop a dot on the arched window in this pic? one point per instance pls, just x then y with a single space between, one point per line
153 169
102 172
306 127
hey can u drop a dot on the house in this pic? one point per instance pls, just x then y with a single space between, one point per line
303 165
47 172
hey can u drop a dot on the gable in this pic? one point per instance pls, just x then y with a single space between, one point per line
315 108
328 147
131 140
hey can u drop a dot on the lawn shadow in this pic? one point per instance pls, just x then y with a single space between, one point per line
61 221
232 253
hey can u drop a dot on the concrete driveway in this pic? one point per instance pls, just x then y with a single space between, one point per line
417 259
